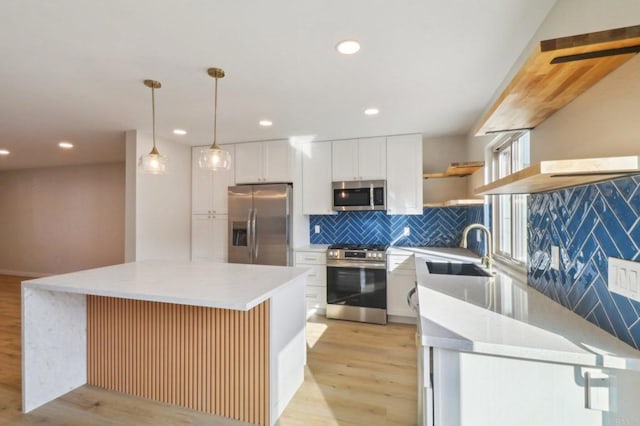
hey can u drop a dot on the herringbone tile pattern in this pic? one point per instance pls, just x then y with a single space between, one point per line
436 227
589 224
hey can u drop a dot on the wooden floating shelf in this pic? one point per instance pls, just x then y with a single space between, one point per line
557 174
456 170
557 72
456 203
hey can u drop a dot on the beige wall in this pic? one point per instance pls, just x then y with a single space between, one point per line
437 154
61 219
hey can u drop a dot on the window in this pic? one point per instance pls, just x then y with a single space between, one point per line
510 211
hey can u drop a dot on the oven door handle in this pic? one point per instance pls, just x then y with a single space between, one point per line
362 265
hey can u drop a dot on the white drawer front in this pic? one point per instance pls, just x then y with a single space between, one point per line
316 297
317 276
311 258
400 262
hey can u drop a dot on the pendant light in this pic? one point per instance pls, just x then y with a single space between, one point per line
215 158
153 163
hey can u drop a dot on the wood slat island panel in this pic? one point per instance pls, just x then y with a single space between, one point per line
208 359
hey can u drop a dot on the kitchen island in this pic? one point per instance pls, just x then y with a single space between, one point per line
494 351
226 339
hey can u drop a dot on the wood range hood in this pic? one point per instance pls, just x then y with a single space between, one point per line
556 72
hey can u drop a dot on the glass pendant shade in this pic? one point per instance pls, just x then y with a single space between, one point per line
152 163
214 159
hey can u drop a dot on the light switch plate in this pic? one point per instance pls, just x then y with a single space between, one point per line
406 231
316 229
555 258
624 278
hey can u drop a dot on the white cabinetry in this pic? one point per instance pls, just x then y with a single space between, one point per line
404 174
209 189
262 162
316 178
401 278
316 288
360 159
209 237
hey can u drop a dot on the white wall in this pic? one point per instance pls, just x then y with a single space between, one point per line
160 204
61 219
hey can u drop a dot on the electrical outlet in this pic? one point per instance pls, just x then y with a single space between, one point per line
316 229
555 258
624 278
406 231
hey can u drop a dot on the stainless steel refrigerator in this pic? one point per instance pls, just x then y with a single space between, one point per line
260 224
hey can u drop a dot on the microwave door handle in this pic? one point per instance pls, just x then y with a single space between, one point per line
371 196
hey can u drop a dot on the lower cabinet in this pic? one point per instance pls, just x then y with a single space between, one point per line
316 288
471 389
401 278
209 237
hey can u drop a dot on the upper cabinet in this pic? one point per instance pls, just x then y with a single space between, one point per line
360 159
316 178
556 73
404 174
262 162
209 189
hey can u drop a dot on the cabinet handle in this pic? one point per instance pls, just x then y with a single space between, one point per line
309 258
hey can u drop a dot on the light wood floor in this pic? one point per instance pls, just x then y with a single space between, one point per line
357 374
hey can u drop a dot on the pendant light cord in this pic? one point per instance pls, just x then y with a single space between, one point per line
153 114
215 113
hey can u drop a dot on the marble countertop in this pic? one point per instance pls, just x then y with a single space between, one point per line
503 316
215 285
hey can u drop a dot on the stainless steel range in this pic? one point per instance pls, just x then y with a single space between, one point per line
357 282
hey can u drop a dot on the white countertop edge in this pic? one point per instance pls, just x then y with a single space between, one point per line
435 334
312 247
240 306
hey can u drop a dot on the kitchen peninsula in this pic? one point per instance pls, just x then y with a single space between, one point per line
226 339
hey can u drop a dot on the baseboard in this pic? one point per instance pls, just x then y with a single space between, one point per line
401 319
23 273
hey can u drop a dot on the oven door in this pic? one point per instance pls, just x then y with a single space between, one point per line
354 284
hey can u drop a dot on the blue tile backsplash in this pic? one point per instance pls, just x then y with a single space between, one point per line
436 227
589 224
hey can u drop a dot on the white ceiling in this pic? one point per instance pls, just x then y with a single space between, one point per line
73 69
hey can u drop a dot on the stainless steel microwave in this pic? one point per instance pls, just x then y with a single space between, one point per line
360 195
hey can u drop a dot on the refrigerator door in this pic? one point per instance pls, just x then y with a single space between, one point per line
240 221
272 212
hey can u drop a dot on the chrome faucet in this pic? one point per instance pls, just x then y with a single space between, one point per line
488 258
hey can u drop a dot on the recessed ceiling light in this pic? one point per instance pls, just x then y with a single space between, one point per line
179 132
348 47
65 145
371 111
4 152
266 123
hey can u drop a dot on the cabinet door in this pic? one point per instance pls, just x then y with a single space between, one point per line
249 162
316 178
404 174
399 283
201 185
345 160
209 238
372 158
277 161
221 181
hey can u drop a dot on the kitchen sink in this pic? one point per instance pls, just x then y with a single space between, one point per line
457 268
